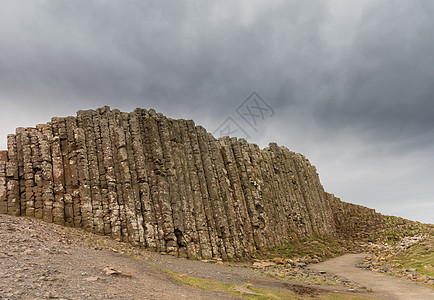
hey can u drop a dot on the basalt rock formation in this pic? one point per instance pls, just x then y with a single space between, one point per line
164 184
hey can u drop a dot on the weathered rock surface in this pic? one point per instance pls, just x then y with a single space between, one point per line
167 185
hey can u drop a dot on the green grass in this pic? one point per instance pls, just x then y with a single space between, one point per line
211 285
331 296
419 256
323 247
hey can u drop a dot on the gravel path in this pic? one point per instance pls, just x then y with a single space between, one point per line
384 286
41 260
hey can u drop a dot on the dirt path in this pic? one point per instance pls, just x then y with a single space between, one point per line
40 260
382 285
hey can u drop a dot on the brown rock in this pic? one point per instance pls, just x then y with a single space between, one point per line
172 187
4 156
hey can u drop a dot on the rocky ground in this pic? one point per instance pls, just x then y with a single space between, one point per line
295 269
41 260
45 261
380 259
383 260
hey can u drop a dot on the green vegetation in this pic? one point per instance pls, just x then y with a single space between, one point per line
322 247
419 256
331 296
202 284
218 286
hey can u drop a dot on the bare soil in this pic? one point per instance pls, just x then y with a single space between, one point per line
45 261
40 260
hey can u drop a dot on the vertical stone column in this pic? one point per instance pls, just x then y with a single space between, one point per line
101 179
284 183
326 225
259 190
269 195
58 174
149 199
13 178
16 157
119 153
83 173
165 128
73 186
225 218
306 204
140 179
141 144
92 155
108 188
288 199
127 172
3 183
117 215
196 200
66 127
28 197
87 124
218 215
242 220
298 215
249 186
45 138
159 184
207 207
36 171
226 203
186 233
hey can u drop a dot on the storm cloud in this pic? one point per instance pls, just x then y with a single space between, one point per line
351 82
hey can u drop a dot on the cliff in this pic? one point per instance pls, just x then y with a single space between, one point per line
167 185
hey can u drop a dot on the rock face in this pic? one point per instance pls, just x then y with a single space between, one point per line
164 184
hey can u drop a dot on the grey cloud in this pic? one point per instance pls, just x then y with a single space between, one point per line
388 75
193 51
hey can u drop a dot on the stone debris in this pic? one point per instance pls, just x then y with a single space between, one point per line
245 291
112 271
382 255
295 269
92 278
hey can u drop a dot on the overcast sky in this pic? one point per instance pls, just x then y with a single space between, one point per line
351 83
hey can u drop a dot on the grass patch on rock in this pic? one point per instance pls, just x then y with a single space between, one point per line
321 247
419 256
